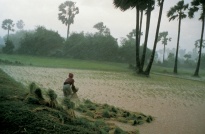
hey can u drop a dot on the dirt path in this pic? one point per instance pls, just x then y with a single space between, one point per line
178 105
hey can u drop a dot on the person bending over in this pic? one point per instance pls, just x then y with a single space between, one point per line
68 86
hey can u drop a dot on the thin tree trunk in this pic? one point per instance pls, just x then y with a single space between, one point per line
8 35
149 66
177 50
137 42
200 49
163 53
146 37
68 31
141 18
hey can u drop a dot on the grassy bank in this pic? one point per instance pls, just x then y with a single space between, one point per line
65 63
92 65
17 116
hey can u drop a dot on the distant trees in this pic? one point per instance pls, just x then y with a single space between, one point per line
177 12
91 47
124 5
127 49
170 58
16 38
20 24
195 6
68 10
8 25
163 37
41 42
140 5
8 48
102 29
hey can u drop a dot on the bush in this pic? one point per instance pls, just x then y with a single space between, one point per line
8 48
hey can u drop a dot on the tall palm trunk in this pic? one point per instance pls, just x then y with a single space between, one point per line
177 50
140 29
137 42
8 35
146 36
200 49
149 66
163 53
68 30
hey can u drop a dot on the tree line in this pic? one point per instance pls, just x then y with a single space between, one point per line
100 46
178 11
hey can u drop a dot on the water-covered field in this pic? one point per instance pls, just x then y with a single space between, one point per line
177 104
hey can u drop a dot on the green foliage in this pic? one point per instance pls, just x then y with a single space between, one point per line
106 113
195 6
68 10
102 29
20 24
16 38
68 103
127 50
65 63
119 131
177 11
93 47
32 87
52 95
8 25
41 42
104 128
8 48
149 119
38 94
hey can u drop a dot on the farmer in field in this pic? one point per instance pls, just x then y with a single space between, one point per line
69 87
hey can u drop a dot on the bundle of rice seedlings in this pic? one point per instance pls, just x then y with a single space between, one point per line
119 131
32 100
69 106
32 87
106 113
52 96
39 96
149 119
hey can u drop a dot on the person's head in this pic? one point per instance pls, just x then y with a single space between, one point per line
70 75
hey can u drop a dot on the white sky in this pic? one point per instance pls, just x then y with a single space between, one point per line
45 13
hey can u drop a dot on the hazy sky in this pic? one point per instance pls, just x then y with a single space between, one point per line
45 13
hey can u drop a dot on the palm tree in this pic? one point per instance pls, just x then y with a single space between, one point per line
100 27
195 6
20 24
140 5
7 24
177 12
165 39
67 14
127 4
149 66
150 7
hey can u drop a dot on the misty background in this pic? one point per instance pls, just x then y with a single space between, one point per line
45 13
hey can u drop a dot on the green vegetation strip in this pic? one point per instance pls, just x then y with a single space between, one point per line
64 63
